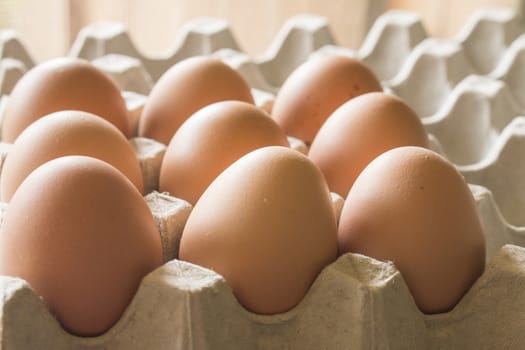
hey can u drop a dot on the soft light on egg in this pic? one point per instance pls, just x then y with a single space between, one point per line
360 130
412 207
267 225
185 88
67 133
209 141
63 84
82 236
316 89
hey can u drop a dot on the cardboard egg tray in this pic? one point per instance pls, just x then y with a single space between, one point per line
470 94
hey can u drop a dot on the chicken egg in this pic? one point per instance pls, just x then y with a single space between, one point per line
360 130
83 237
63 84
209 141
67 133
185 88
412 207
267 225
315 89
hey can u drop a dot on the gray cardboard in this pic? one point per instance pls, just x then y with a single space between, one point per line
12 47
127 72
487 34
171 214
150 154
390 41
198 37
355 303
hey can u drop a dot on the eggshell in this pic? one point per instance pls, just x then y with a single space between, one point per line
360 130
412 207
63 84
67 133
209 141
315 89
185 88
83 237
267 225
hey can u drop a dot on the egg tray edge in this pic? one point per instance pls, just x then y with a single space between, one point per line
356 302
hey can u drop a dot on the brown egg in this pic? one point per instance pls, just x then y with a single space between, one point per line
67 133
266 224
63 84
360 130
83 237
412 207
209 141
315 89
185 88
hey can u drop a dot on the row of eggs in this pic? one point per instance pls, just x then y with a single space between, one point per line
262 213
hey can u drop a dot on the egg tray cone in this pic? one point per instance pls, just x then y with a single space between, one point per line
470 94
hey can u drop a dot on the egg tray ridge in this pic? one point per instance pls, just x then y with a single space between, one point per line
356 302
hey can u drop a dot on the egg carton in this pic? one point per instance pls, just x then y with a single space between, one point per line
356 302
469 95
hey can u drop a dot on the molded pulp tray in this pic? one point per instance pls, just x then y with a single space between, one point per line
469 92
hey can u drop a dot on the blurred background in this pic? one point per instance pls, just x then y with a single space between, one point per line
49 27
